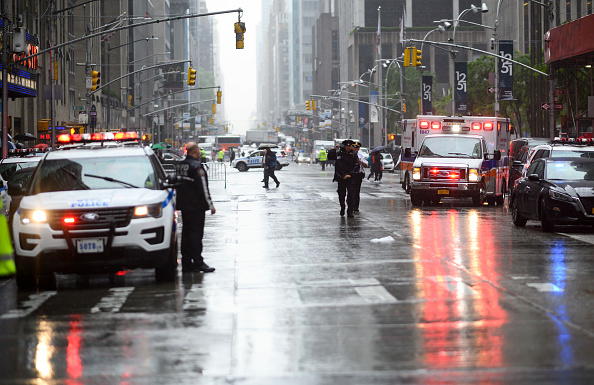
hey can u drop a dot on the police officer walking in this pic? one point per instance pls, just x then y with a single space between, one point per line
193 199
359 176
323 157
345 167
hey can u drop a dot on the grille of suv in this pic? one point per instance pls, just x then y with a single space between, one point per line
104 218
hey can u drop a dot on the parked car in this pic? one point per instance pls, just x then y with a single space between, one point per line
557 149
254 160
557 191
519 150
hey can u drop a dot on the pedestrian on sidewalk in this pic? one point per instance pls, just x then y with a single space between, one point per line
231 155
358 177
269 162
193 200
345 167
379 166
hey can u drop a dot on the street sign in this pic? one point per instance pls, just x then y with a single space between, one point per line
83 118
93 113
89 82
547 106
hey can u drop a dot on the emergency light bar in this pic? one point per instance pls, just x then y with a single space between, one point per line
97 137
573 141
26 151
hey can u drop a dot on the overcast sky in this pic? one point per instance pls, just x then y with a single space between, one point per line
238 66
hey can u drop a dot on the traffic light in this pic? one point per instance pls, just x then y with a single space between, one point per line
211 120
129 101
95 80
191 76
391 136
313 104
219 94
407 56
415 57
308 105
214 108
297 119
239 31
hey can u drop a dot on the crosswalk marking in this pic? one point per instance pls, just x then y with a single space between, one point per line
29 306
545 287
113 302
194 300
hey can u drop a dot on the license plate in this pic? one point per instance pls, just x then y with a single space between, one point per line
443 192
85 246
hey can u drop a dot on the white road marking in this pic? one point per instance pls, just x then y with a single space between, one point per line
29 306
588 238
114 301
522 276
545 287
375 294
341 282
369 291
194 300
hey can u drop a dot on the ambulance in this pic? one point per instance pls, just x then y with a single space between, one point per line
455 156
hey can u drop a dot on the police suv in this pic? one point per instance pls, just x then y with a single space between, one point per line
254 160
97 206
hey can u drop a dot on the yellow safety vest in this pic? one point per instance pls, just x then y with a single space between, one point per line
7 267
221 154
323 156
202 153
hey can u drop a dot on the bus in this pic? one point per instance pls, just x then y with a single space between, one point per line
225 141
207 139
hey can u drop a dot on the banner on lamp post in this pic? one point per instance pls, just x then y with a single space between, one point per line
427 95
460 83
373 110
506 76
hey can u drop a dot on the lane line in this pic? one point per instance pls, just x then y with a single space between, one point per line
113 302
27 307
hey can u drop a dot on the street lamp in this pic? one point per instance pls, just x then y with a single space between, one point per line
441 29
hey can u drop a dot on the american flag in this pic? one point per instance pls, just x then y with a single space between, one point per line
403 26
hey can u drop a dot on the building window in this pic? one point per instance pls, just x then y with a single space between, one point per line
335 49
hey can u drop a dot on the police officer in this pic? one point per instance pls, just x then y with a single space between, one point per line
359 176
221 155
202 155
7 267
193 199
345 167
323 157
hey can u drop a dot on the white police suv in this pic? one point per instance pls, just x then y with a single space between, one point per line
254 160
97 207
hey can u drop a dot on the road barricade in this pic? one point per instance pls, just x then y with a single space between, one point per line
217 171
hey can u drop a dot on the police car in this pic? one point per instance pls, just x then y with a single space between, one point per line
254 160
95 207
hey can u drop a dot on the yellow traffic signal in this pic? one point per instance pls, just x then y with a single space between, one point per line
214 108
407 56
308 105
219 94
313 104
95 80
211 120
239 31
191 76
129 101
391 136
297 119
415 57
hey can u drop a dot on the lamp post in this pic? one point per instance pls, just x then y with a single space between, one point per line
483 8
441 29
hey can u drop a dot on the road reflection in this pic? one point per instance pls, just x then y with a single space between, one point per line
461 324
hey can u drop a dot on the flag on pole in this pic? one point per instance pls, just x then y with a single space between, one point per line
403 26
379 33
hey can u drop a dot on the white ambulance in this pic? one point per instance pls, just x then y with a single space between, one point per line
455 156
98 206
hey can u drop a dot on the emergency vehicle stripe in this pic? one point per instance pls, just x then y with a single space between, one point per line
3 188
168 199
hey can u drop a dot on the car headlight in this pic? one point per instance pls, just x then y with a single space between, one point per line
560 196
473 175
33 216
154 211
416 173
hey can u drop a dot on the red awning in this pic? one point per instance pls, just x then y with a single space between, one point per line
572 42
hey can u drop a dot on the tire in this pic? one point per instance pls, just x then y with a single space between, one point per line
517 218
242 167
168 270
545 223
479 199
25 273
500 199
491 201
416 200
407 188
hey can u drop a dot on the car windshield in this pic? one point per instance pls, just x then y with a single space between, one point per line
8 169
570 170
387 156
94 174
572 153
448 147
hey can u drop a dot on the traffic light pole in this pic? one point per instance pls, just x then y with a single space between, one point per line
4 82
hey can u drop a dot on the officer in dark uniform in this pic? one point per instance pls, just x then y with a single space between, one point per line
193 199
346 166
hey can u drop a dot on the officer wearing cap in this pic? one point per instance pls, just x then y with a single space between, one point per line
346 166
358 177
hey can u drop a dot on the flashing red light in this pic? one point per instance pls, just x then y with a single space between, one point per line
436 125
488 126
423 124
434 171
476 125
96 136
130 135
119 135
453 176
68 220
64 138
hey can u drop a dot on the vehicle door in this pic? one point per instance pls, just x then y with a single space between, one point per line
255 159
533 188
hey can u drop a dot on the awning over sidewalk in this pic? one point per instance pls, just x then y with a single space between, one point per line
571 43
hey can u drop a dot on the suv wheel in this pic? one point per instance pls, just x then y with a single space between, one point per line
168 270
416 200
25 273
517 218
242 166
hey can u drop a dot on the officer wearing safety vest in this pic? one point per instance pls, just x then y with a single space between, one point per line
220 155
202 155
7 267
323 157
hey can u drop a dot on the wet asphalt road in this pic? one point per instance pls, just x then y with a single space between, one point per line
438 295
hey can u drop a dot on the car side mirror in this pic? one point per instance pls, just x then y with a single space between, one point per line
533 178
15 189
497 155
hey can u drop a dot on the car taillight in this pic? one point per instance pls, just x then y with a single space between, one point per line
476 126
488 126
424 124
436 125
